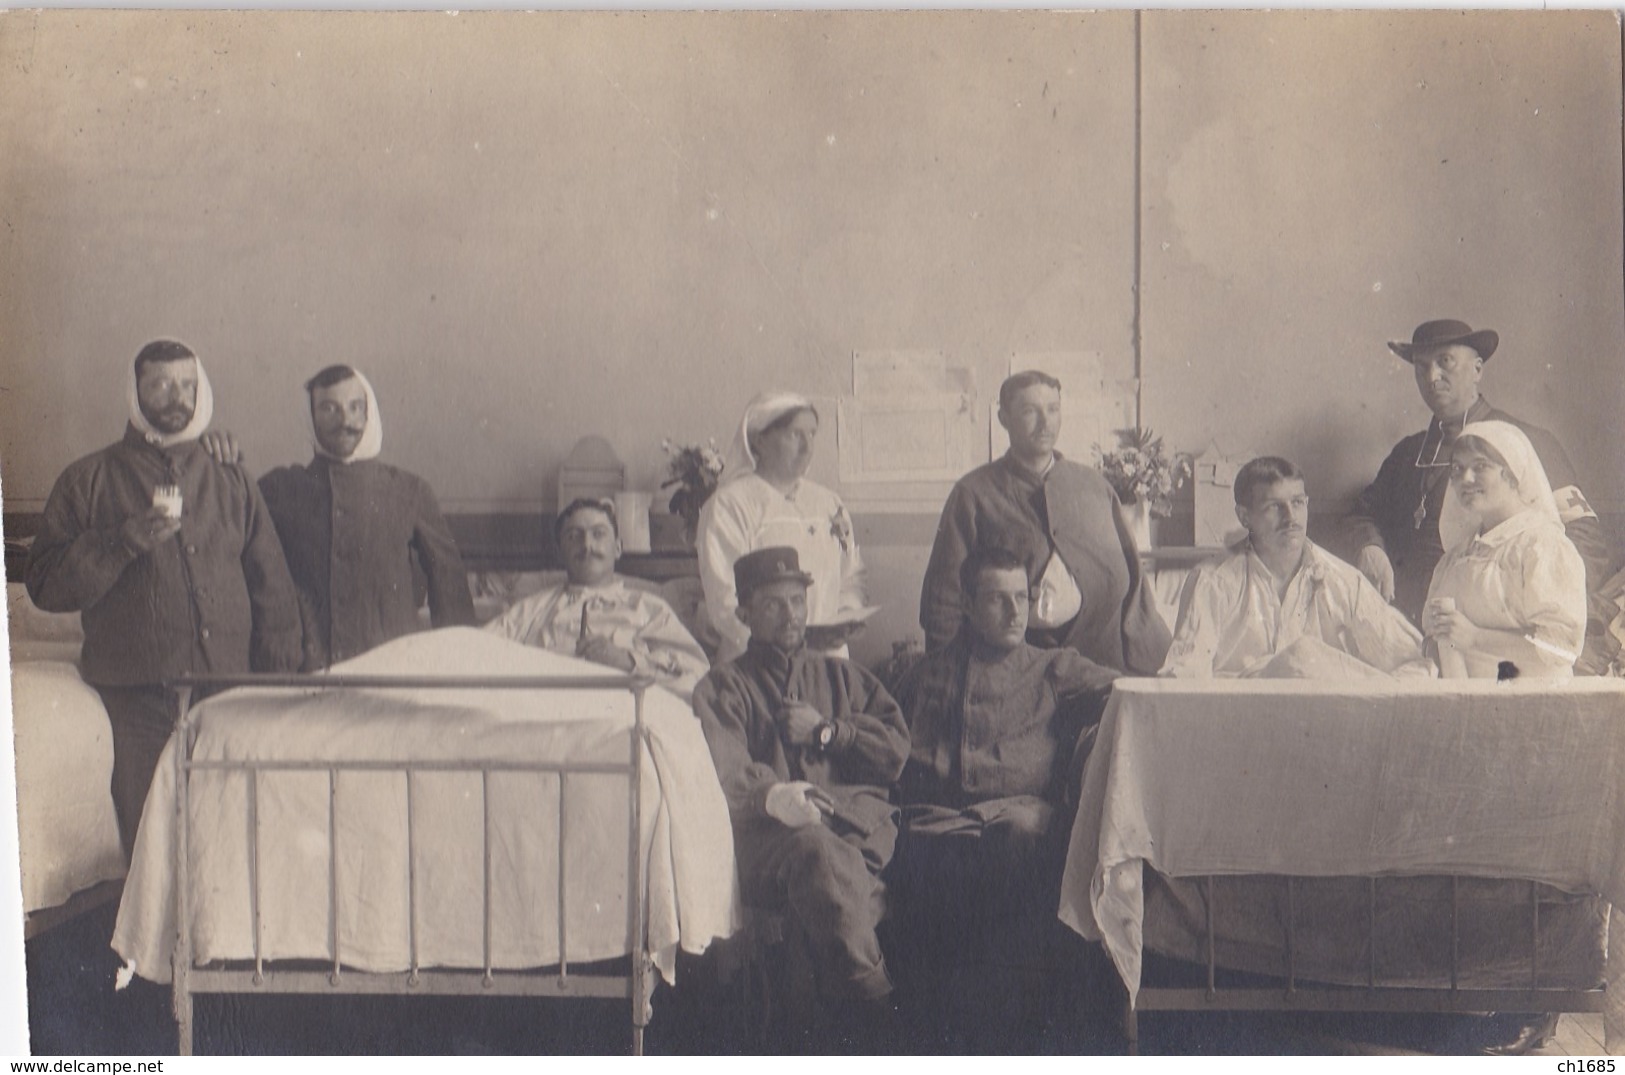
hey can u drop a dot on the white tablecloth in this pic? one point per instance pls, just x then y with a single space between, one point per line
1523 780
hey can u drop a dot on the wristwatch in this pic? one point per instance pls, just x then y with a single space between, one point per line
824 734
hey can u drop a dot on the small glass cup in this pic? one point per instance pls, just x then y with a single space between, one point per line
167 498
1452 665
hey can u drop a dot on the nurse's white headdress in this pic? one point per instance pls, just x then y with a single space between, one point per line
763 411
1458 525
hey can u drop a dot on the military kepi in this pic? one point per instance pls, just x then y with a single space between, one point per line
778 563
1430 334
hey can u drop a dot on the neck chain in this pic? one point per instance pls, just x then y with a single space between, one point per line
1420 515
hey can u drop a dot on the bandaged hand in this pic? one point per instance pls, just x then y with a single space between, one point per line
1374 564
798 803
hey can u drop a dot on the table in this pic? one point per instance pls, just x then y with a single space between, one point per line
1523 780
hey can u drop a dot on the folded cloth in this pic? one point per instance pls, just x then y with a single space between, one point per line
1310 658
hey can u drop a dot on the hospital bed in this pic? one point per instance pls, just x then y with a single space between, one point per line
67 832
451 813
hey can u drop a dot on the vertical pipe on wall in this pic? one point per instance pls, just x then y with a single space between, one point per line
1139 246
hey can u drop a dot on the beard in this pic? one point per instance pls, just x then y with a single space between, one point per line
171 419
343 442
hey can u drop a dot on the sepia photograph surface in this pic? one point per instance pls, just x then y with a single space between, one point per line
597 255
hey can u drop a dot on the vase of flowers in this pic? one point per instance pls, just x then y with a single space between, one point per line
1145 477
692 472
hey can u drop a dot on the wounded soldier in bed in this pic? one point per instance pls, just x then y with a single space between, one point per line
807 747
1278 606
995 727
595 614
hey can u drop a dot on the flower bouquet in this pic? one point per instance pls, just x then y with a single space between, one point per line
694 469
1142 471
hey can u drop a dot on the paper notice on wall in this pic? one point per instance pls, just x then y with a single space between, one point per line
921 437
1214 480
910 428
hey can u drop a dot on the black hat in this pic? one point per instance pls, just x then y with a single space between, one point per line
1430 334
776 564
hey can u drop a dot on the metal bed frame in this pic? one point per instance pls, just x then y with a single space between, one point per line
1370 997
635 984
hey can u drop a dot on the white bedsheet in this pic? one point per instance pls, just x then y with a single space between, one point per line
68 835
686 839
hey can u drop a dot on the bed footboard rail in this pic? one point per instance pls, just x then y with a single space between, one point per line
635 983
1288 992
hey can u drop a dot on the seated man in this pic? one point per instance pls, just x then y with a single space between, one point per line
596 615
807 747
994 724
1278 605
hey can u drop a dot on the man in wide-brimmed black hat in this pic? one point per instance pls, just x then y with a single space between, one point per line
1394 526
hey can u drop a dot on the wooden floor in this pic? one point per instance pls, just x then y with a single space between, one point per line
1577 1035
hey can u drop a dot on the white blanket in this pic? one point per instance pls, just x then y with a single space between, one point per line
67 834
686 840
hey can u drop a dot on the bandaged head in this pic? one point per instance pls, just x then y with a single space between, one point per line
166 366
340 430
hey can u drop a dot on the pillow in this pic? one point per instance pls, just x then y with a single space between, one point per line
494 591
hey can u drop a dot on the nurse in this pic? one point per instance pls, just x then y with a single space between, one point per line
1509 595
766 500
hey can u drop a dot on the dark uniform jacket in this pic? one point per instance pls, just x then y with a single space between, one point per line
362 540
738 703
215 598
988 726
1072 512
1399 512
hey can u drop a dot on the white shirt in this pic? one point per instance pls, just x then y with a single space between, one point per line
635 620
747 514
1522 575
1231 623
